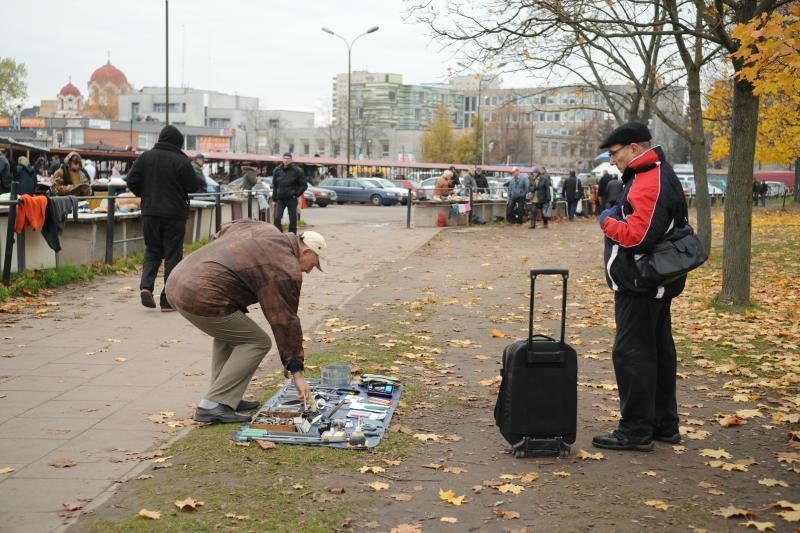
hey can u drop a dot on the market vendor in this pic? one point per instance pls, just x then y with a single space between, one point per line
248 262
71 179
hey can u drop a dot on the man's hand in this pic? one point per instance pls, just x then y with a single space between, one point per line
613 212
302 386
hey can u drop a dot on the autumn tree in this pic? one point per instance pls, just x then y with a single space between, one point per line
439 142
13 86
468 144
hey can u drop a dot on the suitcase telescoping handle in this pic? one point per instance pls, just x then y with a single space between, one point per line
564 273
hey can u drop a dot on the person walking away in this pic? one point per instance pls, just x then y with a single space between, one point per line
163 178
5 172
571 192
540 188
289 183
644 356
71 179
764 192
613 192
247 262
26 176
518 189
197 166
756 192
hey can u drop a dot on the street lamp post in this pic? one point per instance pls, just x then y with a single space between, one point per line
349 54
478 107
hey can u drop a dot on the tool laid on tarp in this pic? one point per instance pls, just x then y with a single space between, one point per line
341 413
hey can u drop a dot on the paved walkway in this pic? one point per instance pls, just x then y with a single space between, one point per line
78 382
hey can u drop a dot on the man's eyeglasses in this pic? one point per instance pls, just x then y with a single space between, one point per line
613 153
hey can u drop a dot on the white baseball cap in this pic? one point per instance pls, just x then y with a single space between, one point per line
317 243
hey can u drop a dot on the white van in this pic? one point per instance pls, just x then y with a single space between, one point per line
776 188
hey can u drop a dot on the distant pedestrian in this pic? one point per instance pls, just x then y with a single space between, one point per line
518 189
541 188
197 165
613 192
601 189
764 193
5 172
480 181
469 184
26 176
163 178
288 184
572 192
756 192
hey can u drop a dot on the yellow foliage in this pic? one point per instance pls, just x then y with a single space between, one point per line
439 142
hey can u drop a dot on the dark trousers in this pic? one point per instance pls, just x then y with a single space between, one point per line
163 239
645 363
538 207
291 205
572 205
516 210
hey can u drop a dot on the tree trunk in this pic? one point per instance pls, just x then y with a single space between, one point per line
739 204
697 140
797 180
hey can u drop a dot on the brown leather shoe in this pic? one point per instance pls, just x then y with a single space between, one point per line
147 298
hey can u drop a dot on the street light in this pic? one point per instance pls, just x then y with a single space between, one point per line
478 112
349 50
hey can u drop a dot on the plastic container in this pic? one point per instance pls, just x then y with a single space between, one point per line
336 376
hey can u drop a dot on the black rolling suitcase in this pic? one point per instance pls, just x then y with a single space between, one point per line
537 406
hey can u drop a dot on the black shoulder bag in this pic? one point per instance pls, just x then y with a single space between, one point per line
677 254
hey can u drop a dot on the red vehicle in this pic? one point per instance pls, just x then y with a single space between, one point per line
784 176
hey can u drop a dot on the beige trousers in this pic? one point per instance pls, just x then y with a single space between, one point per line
239 346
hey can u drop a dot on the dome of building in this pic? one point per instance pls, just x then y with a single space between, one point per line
108 73
69 90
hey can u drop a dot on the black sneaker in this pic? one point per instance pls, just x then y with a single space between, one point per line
221 414
147 298
670 438
248 405
166 307
618 441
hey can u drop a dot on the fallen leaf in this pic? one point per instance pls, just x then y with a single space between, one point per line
658 504
6 470
679 449
189 504
769 482
427 437
454 470
449 520
402 497
161 466
748 413
562 474
761 526
120 359
336 490
298 486
392 462
506 515
498 334
372 525
144 476
788 457
378 486
371 469
62 463
152 515
510 488
477 489
783 504
406 528
72 506
650 473
237 517
716 454
790 516
730 421
432 466
450 497
731 512
586 456
530 477
266 445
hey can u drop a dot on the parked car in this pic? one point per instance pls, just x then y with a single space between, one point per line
322 196
359 190
426 187
776 188
385 184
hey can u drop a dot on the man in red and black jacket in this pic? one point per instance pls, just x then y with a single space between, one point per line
644 353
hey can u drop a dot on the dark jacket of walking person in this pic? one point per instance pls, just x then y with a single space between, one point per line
541 188
644 355
288 184
5 172
26 176
572 192
764 193
163 178
601 187
480 181
756 192
613 192
247 262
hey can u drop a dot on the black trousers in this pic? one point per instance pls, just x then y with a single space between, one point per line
163 239
291 205
516 210
537 208
645 363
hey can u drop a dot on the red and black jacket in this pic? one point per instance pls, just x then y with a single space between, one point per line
652 201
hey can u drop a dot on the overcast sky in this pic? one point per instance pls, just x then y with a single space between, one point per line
274 49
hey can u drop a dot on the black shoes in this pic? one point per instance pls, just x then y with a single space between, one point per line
618 441
669 438
221 414
166 307
147 298
247 405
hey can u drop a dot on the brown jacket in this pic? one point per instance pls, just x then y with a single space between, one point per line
247 262
443 186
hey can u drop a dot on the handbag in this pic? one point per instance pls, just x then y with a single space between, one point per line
579 207
547 210
679 253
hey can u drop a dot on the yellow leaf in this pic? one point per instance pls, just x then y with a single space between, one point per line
761 526
716 454
586 456
650 473
449 520
427 437
372 469
510 488
498 334
769 482
6 470
658 504
748 413
450 497
378 486
189 504
237 517
151 515
530 477
790 516
561 474
402 497
731 512
506 515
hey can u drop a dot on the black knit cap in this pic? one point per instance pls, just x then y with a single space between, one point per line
632 132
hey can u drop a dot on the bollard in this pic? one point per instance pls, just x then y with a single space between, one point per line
218 211
12 215
408 210
111 208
